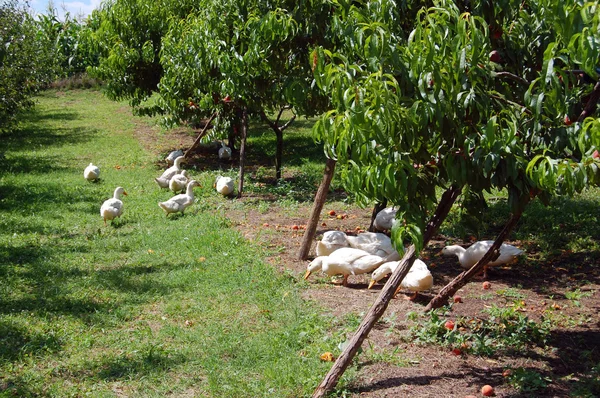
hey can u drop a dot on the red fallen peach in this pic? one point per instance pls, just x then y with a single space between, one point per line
487 391
486 285
449 325
332 213
456 352
458 299
295 227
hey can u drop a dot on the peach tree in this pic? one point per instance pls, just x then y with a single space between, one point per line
476 94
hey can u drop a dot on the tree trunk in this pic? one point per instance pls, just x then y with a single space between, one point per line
244 134
590 106
387 293
320 197
442 297
376 209
202 134
278 153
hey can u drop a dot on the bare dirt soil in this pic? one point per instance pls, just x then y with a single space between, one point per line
394 364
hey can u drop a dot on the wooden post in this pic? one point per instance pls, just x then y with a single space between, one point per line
442 297
387 293
202 134
244 134
376 209
311 227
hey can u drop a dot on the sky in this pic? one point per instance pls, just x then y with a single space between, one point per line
75 8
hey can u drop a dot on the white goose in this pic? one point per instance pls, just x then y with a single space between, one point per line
91 173
163 180
224 185
345 261
373 242
179 182
113 207
384 219
224 152
172 156
331 241
416 280
468 257
179 203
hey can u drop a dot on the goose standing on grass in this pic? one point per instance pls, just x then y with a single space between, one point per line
163 180
179 203
469 257
416 280
224 152
224 185
331 241
384 219
113 207
91 173
345 261
179 182
172 156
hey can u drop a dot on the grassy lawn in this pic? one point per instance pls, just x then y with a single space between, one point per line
148 306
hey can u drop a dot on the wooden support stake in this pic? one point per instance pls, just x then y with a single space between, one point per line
311 227
443 295
376 209
387 293
202 134
244 134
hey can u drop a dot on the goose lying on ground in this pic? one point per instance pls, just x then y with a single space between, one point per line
373 242
113 207
331 241
345 261
469 257
172 156
163 180
416 280
91 173
224 185
179 203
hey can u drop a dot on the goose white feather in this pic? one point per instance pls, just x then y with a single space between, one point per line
345 261
179 203
173 155
417 279
224 185
470 256
331 241
384 219
224 152
163 180
91 173
179 182
373 242
113 207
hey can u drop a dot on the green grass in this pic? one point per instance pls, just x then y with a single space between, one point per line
148 306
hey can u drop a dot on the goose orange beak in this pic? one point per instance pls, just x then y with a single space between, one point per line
124 193
307 274
373 281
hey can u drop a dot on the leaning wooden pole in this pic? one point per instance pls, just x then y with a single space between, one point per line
387 293
202 134
311 227
442 297
244 134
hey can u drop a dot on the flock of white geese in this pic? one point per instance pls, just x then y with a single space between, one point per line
371 252
174 178
337 253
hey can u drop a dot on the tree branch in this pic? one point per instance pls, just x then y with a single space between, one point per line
512 76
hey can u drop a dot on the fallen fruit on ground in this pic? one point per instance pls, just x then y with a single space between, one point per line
456 351
332 212
458 299
449 325
487 391
295 227
327 357
486 285
506 373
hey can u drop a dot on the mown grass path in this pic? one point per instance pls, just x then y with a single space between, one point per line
149 306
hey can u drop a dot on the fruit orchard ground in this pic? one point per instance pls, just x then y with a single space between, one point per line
391 363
